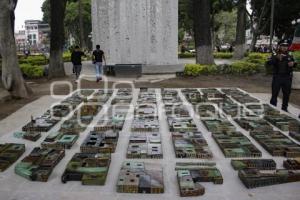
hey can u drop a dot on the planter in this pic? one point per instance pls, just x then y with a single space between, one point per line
296 81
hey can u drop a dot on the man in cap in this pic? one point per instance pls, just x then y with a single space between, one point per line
283 65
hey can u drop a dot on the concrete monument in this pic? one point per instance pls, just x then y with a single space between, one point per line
137 31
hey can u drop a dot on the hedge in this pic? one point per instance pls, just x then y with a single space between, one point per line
296 55
30 71
186 55
237 68
196 69
244 67
223 55
219 55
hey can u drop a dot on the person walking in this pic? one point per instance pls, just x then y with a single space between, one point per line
283 65
76 60
98 58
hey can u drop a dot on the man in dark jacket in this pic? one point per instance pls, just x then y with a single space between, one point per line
98 58
76 60
283 64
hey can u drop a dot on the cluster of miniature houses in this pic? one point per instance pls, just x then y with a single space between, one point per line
224 113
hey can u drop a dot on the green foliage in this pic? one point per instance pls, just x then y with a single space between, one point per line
196 69
225 27
30 71
243 67
67 56
285 12
218 55
72 18
296 55
223 55
34 60
186 55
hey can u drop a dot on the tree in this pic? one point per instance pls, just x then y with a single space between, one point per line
260 9
57 13
11 74
285 12
72 19
202 32
225 27
240 40
81 26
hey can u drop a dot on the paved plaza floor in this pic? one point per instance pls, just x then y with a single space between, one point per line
14 187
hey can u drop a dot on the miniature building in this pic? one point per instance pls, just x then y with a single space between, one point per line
100 142
143 111
294 130
144 145
10 153
60 110
231 142
276 143
207 110
115 121
253 178
219 125
140 177
240 96
182 124
38 165
32 136
145 125
189 176
235 144
260 164
292 164
59 140
41 124
28 135
190 145
90 169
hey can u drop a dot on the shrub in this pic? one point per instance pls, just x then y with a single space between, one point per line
244 67
186 55
220 55
296 55
30 71
196 69
67 56
34 60
223 55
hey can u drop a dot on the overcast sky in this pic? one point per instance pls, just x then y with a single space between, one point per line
31 9
28 9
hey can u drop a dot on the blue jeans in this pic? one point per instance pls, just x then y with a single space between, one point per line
98 66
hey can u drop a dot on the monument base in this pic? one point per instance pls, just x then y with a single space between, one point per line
162 69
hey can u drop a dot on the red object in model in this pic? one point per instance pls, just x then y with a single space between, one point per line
296 41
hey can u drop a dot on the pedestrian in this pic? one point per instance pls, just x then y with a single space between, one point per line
98 58
76 60
283 65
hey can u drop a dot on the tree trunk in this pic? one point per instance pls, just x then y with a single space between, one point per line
202 32
240 41
254 41
57 10
11 74
81 26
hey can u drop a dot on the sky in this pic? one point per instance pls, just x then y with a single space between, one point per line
28 9
32 10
